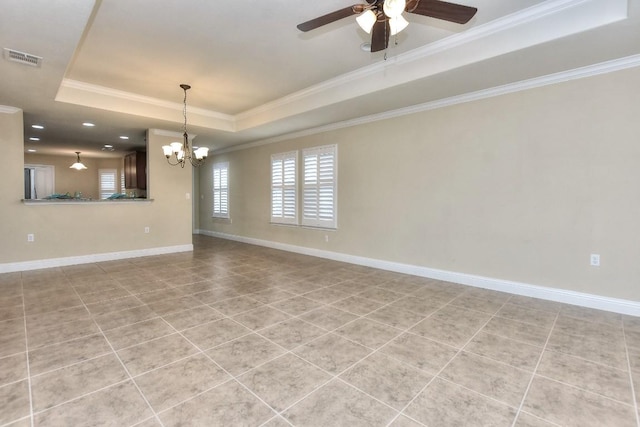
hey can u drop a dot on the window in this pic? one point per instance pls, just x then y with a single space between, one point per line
122 189
107 179
221 190
319 187
283 188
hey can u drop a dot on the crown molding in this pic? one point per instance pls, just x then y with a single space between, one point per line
133 97
535 25
502 24
551 79
104 98
540 23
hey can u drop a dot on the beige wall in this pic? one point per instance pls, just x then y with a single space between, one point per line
521 187
71 180
92 228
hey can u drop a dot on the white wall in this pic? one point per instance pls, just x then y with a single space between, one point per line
65 231
521 187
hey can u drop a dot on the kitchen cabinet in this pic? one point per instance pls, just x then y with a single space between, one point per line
135 170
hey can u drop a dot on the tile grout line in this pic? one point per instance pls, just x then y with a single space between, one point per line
26 344
436 375
633 389
80 396
232 378
258 333
584 390
287 351
533 374
251 331
331 375
115 353
372 351
71 364
277 417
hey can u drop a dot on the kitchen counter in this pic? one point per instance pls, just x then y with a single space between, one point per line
74 201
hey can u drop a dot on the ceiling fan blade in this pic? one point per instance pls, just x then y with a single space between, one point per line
329 18
380 35
451 12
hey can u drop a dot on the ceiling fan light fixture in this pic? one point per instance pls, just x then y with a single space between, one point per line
394 8
397 24
378 17
366 20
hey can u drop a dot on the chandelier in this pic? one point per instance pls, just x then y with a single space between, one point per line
178 153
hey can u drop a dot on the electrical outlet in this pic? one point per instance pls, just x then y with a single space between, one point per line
595 260
187 196
326 237
31 238
146 229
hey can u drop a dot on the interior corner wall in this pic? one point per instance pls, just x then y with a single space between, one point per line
520 187
87 229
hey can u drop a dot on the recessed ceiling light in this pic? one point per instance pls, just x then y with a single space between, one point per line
124 137
31 150
37 126
33 138
108 146
87 124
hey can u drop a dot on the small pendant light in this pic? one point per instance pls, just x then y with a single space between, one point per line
78 164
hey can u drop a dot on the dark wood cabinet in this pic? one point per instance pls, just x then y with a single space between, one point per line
135 170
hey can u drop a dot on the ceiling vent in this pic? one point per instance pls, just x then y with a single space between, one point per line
23 58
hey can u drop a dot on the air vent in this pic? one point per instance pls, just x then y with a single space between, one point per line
21 57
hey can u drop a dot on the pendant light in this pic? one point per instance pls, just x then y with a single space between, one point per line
78 164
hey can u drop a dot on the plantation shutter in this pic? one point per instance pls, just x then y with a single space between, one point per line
107 180
221 190
283 188
319 187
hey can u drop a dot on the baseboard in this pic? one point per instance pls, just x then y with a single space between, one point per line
552 294
87 259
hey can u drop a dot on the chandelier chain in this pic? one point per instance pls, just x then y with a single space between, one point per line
184 109
181 153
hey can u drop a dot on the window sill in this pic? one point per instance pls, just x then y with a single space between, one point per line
308 227
222 219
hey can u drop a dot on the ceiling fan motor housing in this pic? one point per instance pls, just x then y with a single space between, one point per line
387 10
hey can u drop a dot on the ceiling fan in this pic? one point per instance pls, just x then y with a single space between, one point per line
383 18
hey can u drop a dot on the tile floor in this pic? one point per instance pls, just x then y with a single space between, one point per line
234 335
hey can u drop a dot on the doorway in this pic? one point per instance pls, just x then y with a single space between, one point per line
39 181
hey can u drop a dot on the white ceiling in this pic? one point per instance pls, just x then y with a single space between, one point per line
119 63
